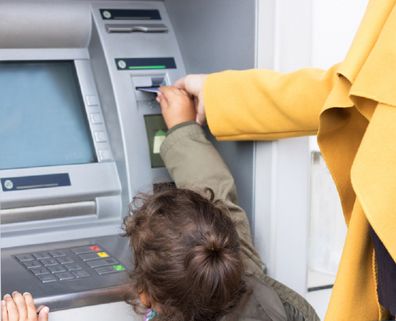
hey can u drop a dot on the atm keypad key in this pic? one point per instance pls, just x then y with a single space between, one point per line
105 270
119 267
81 274
25 257
48 262
40 271
82 249
110 269
65 276
88 256
65 260
72 267
41 255
47 278
57 253
32 264
102 262
56 268
102 254
95 248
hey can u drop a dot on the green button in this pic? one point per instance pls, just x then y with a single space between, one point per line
119 267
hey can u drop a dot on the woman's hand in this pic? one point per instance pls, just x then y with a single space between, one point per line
194 85
176 105
20 307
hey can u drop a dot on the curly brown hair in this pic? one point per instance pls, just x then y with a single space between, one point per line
186 255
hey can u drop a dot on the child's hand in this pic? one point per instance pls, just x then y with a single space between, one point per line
20 307
194 85
176 105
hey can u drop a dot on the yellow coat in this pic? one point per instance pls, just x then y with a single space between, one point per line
352 109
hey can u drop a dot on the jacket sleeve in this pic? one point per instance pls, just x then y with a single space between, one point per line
194 163
264 104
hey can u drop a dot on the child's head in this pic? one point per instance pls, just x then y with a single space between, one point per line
187 256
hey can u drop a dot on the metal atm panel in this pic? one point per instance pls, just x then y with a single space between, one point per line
129 48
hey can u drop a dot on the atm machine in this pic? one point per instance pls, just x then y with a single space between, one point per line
80 130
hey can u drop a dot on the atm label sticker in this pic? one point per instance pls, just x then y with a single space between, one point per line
158 140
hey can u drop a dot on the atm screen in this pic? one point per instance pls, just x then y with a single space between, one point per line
42 117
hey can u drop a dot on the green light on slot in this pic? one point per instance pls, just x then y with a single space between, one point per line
147 67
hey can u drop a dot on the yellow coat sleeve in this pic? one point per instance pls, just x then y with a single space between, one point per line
266 105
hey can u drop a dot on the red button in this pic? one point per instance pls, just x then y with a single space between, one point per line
95 248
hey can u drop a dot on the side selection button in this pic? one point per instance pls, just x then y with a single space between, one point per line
92 100
100 137
96 118
104 155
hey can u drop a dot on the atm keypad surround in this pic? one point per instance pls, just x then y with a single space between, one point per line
70 264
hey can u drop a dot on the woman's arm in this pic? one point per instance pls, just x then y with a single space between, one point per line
260 104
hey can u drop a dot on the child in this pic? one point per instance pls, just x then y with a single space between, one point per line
194 258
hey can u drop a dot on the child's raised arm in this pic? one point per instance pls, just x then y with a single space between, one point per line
194 163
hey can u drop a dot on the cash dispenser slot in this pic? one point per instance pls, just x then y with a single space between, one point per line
136 28
44 212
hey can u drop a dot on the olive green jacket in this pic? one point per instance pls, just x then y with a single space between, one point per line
194 163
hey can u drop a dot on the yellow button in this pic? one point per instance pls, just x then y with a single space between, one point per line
102 254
